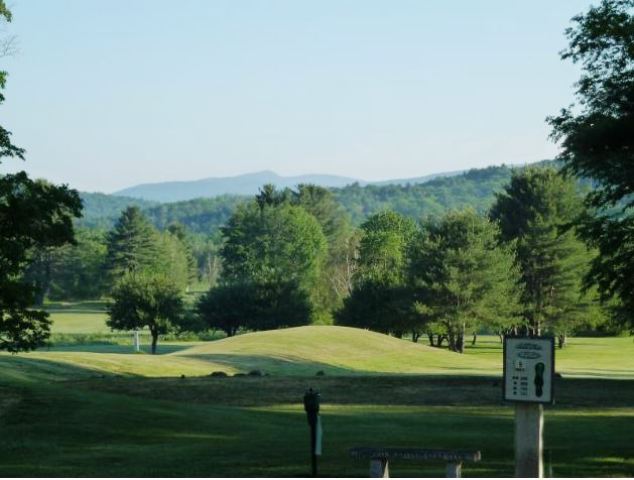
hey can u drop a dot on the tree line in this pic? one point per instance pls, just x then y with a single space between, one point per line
545 258
293 257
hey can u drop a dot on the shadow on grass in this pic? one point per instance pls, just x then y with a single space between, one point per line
275 365
83 432
112 347
383 390
77 307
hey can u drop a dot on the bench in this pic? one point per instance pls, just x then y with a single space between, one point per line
379 458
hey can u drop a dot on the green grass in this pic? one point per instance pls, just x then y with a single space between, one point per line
87 322
335 351
99 410
76 424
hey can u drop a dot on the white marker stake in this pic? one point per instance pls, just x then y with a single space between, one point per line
529 441
137 343
319 436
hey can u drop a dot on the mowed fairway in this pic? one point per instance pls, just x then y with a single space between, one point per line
99 410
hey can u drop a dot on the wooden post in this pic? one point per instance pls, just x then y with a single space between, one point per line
529 442
454 470
379 468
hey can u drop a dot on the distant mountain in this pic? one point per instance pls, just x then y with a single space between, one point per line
415 198
247 184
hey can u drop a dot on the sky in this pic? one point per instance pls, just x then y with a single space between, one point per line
108 94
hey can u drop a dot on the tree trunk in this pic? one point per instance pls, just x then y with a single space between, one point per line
430 336
415 336
154 341
460 343
451 340
561 340
475 337
442 338
43 284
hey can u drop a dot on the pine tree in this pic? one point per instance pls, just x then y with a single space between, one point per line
132 244
536 211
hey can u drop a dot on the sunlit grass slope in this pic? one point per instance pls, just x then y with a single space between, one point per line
306 350
88 322
335 351
605 357
293 351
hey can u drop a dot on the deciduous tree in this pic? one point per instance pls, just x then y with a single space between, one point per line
597 142
380 299
461 277
140 300
34 215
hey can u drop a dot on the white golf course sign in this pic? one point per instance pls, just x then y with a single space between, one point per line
528 369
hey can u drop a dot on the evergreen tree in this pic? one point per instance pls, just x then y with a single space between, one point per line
72 271
536 211
132 244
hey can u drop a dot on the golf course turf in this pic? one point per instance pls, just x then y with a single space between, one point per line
101 410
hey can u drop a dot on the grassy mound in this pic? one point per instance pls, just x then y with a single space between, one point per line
304 351
293 351
335 350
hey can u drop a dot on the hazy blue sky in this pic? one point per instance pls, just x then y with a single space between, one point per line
106 94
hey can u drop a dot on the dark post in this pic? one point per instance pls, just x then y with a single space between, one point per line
311 405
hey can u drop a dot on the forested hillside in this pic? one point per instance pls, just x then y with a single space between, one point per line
475 188
102 210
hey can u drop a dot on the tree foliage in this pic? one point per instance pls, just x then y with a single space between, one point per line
252 306
597 142
536 212
72 271
461 277
273 255
140 300
380 299
132 244
33 215
279 243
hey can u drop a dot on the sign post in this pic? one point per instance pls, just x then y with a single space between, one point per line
529 369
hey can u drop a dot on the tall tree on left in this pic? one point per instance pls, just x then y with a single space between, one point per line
33 214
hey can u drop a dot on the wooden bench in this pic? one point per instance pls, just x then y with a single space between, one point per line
379 458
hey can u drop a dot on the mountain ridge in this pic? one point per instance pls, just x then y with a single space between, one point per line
249 183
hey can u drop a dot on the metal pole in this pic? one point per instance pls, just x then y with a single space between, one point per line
529 440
